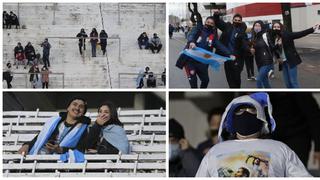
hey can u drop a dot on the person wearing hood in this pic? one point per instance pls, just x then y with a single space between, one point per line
206 37
82 35
262 51
235 39
287 53
103 41
184 160
62 134
244 149
107 135
143 40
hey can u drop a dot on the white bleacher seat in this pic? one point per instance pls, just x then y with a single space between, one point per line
146 131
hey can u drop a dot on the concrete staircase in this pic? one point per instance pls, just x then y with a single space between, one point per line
61 21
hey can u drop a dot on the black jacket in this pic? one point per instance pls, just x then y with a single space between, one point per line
241 44
103 38
81 144
290 51
297 116
82 36
95 141
29 50
263 46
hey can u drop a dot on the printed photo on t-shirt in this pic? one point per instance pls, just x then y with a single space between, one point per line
243 164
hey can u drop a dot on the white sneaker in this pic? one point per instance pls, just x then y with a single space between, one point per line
271 74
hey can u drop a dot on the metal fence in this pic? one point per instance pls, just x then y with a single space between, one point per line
128 80
22 80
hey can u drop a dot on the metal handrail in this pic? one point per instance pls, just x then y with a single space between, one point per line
135 74
27 73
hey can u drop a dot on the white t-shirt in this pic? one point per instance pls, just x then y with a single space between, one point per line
251 158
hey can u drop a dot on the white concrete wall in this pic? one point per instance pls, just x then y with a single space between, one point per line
192 119
305 17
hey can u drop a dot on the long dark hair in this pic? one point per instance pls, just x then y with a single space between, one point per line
114 119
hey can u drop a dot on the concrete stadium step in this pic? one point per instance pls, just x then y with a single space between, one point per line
126 21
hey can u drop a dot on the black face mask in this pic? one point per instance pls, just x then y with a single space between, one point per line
236 24
246 123
277 32
209 26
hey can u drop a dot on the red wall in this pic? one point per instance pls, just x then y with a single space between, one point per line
257 9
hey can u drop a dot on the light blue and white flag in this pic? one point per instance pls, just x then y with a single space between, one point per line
117 137
70 140
206 57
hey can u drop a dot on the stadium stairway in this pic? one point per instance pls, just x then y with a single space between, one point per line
61 22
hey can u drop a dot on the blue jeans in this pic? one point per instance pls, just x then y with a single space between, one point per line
262 79
290 75
93 48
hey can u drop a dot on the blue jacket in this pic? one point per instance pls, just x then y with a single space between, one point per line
207 39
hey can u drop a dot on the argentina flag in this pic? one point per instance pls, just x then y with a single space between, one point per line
206 57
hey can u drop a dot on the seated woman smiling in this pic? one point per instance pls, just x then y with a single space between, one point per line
107 135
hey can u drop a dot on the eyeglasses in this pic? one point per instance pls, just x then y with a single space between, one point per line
242 110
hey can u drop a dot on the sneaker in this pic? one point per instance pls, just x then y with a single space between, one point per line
271 74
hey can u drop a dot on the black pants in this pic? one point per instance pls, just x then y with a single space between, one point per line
153 48
233 72
45 85
170 35
46 60
80 47
8 78
194 69
103 48
249 66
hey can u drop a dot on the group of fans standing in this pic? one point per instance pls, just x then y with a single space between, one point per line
268 44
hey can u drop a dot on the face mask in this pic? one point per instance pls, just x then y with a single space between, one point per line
174 151
236 24
209 26
257 30
277 31
246 123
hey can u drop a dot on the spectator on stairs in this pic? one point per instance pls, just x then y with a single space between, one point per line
155 43
94 41
143 40
5 19
30 53
13 20
34 76
46 52
103 41
19 56
45 77
107 135
7 75
62 134
82 35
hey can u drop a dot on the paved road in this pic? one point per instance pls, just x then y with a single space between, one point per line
308 71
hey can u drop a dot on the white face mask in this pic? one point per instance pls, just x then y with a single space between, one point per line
174 151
